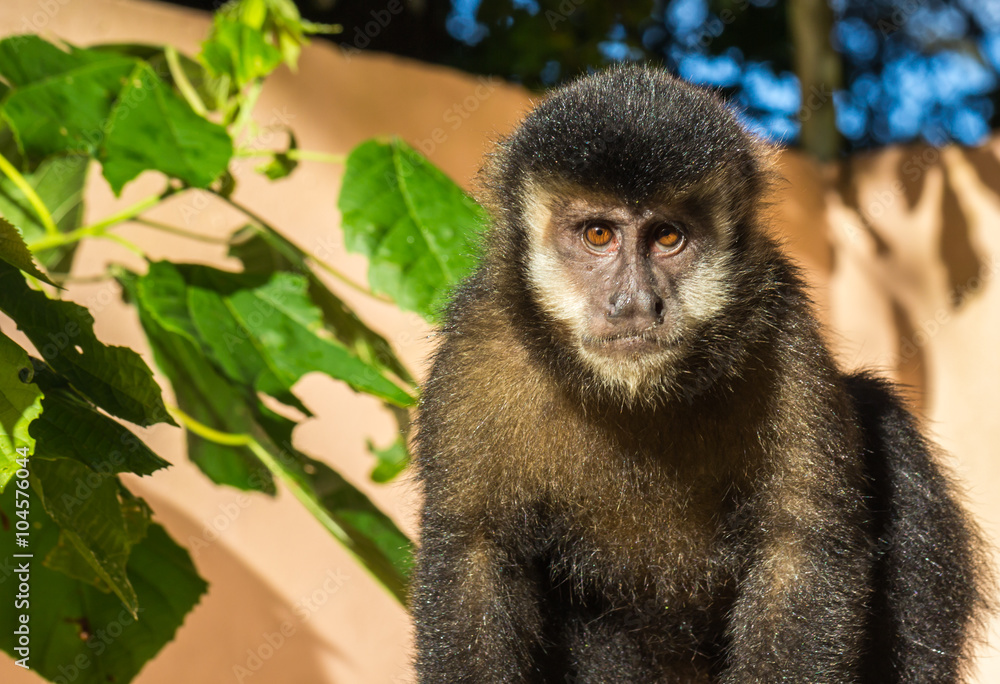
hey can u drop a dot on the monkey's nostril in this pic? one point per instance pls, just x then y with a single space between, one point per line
617 304
658 309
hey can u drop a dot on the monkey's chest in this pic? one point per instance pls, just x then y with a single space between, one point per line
675 549
642 587
653 563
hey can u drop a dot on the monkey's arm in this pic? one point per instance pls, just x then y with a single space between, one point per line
801 609
930 573
889 593
475 607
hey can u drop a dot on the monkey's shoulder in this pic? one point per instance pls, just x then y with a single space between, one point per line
481 360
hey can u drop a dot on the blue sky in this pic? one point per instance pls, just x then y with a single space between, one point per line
928 72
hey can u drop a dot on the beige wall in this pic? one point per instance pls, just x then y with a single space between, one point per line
883 266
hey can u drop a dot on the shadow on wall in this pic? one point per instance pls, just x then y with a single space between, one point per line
242 625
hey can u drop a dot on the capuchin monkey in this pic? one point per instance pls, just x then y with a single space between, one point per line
640 461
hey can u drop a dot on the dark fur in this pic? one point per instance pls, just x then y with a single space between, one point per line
762 518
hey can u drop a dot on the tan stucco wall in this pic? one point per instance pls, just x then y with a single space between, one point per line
269 564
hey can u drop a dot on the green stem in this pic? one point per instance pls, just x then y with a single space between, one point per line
298 155
63 280
245 113
100 228
312 155
49 242
380 571
182 82
343 278
129 213
174 230
326 267
209 433
29 193
127 244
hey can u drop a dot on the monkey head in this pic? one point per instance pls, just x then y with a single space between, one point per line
627 203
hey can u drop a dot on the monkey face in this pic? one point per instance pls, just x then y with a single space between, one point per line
630 286
631 230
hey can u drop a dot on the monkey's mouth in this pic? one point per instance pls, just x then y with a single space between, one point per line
640 342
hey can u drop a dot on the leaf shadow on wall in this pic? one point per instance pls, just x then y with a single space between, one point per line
235 633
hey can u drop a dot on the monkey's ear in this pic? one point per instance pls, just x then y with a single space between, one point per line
490 187
752 179
765 155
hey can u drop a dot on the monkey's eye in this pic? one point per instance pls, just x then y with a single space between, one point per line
598 236
668 238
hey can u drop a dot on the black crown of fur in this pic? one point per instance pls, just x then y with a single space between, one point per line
631 131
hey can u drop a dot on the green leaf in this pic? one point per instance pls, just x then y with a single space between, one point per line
417 228
58 182
205 85
67 559
278 322
268 336
71 428
114 378
239 50
291 345
201 391
391 461
265 252
20 404
281 165
213 400
111 107
366 531
16 253
374 535
153 128
74 623
85 505
61 99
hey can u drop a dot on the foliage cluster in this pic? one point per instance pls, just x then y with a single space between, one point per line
231 344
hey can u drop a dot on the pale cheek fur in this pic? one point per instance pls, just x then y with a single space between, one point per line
554 290
706 288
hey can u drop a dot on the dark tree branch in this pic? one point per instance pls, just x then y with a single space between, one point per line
818 67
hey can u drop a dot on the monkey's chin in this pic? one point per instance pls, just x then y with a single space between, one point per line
632 368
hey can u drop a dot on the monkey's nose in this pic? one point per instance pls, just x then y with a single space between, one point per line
641 308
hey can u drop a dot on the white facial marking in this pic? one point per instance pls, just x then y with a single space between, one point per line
546 270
